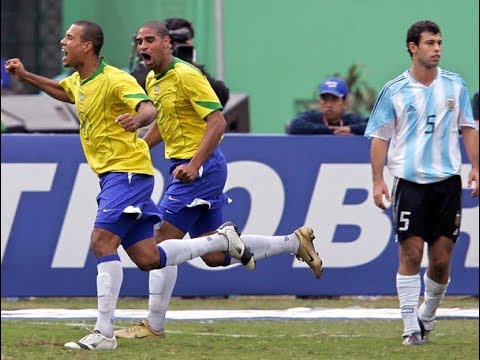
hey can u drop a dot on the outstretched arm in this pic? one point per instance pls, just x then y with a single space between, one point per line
52 87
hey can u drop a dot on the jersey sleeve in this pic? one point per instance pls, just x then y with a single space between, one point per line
380 123
465 116
66 84
202 97
129 91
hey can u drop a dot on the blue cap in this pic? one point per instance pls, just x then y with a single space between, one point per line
334 86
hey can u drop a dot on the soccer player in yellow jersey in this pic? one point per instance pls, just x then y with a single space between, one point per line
191 125
111 107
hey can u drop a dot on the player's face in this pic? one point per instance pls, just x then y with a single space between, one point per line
73 46
429 50
154 50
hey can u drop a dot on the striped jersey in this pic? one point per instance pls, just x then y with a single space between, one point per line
422 124
184 98
108 93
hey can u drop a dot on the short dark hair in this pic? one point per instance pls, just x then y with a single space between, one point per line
413 34
178 23
91 32
158 26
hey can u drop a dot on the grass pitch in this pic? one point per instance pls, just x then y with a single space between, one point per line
255 339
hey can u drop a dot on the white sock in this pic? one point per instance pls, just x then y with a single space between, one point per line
177 252
160 284
408 289
433 296
109 281
266 246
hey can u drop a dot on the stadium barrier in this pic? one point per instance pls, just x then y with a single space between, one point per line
277 183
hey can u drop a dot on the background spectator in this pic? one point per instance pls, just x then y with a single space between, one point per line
331 118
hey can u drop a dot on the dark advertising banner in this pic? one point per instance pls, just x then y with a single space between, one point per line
277 183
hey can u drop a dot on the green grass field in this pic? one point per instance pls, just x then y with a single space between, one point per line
254 339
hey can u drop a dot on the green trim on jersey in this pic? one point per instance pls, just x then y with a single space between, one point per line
137 96
208 104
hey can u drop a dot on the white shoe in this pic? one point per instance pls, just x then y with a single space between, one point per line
93 341
236 248
414 339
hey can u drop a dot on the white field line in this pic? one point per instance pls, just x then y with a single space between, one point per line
302 313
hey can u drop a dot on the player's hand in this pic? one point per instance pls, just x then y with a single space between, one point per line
15 68
185 173
380 189
473 178
127 121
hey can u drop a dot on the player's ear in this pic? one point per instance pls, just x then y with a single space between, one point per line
412 46
87 46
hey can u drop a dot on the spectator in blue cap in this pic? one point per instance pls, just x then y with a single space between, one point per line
331 118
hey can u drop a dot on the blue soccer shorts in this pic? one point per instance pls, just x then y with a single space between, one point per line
125 206
196 207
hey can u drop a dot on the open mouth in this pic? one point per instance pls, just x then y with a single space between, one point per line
147 59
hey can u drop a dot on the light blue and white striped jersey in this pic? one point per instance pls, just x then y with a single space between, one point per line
422 124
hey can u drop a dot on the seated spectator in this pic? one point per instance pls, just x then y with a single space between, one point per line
331 117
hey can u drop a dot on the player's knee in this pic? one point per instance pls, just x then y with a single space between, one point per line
101 246
147 266
214 259
439 268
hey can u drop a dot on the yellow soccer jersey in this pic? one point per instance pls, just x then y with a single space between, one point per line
183 98
108 93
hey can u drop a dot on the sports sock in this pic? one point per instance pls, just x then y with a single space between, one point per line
266 246
161 283
109 281
408 290
433 296
174 252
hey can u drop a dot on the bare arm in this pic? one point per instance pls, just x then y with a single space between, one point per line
146 113
470 140
51 87
378 155
211 138
153 136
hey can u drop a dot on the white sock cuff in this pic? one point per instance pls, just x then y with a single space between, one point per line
408 279
433 286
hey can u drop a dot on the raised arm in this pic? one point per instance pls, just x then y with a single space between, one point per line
52 87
